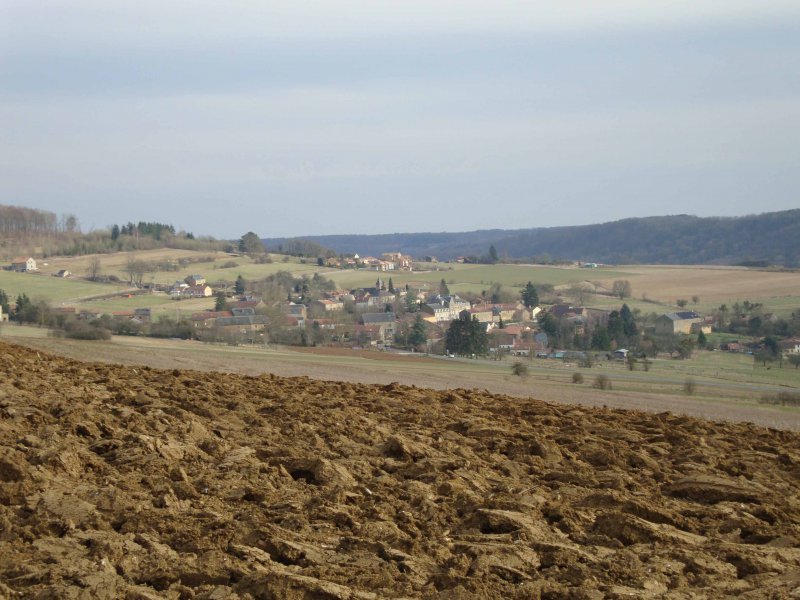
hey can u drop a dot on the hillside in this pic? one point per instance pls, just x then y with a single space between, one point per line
680 239
144 483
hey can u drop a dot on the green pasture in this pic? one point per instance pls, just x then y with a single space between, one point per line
52 289
160 304
213 270
121 303
253 272
473 278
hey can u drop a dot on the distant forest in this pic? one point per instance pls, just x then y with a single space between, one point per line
42 233
757 240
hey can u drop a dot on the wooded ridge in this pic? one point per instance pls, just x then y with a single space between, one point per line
767 239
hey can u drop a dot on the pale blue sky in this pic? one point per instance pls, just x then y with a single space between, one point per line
292 118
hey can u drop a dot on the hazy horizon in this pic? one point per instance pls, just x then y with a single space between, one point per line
316 118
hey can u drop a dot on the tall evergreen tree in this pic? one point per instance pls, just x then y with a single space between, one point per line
628 322
220 303
240 285
419 334
701 339
467 336
530 297
4 302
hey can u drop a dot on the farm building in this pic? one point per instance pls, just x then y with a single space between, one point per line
23 264
384 322
681 322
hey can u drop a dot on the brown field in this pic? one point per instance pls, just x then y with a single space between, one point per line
714 285
134 482
732 396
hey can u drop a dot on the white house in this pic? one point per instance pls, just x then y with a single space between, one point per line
23 264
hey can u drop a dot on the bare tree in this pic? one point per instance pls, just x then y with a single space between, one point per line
579 292
93 272
136 271
622 288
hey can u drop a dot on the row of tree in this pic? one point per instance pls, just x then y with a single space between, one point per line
18 220
157 231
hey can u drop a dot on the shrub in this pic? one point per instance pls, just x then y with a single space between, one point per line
80 330
602 382
782 398
577 378
519 369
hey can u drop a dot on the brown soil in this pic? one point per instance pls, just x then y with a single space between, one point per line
133 482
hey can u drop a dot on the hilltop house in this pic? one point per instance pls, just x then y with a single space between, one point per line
399 260
183 290
23 264
376 264
686 322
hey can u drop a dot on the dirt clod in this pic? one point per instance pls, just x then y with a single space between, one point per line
118 482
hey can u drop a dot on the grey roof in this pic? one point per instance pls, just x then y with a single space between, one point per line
247 320
377 318
682 316
441 300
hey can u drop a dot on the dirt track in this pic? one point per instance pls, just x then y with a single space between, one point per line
124 482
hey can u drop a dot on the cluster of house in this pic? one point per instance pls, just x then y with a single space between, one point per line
512 327
389 261
239 322
193 286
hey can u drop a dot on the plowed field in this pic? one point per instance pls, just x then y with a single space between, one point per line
133 482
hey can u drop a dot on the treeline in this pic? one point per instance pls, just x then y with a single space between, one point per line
142 228
299 247
18 220
759 240
43 234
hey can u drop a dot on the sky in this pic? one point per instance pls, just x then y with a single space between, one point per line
321 117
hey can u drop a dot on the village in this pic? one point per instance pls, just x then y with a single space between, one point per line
416 318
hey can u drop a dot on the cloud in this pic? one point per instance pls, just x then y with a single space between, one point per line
126 22
289 109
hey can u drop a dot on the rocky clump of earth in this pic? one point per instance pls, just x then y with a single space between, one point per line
125 482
